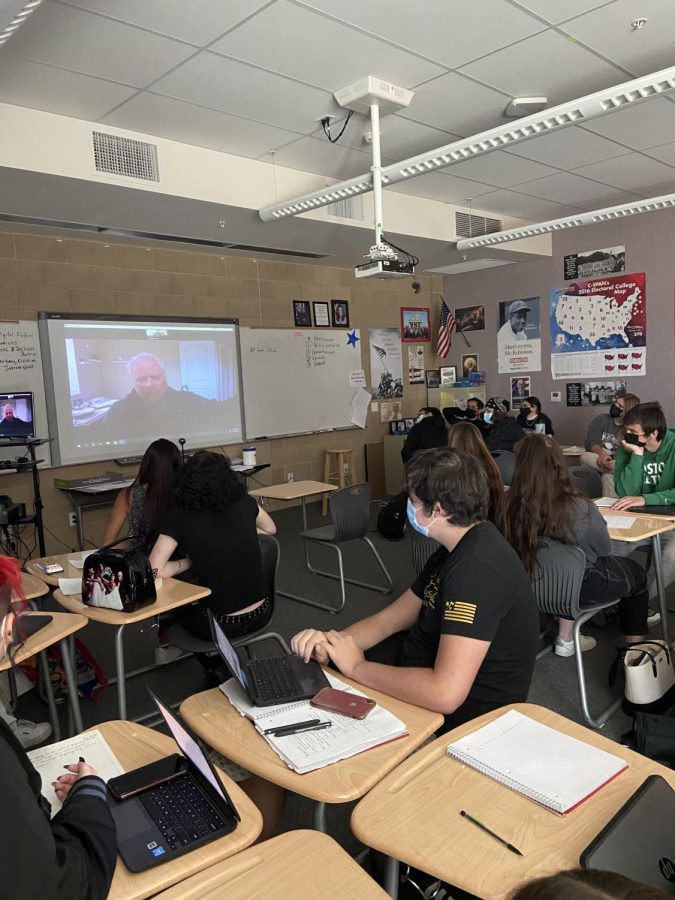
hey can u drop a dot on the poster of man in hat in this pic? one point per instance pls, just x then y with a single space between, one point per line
518 338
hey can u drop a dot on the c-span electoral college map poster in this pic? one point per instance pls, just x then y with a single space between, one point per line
599 327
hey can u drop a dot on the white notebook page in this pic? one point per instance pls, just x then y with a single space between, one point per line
538 761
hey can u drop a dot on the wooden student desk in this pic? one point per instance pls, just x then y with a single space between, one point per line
294 864
218 723
647 527
57 631
171 595
413 815
296 490
134 745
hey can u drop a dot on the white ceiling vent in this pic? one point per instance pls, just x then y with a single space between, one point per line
350 208
116 155
468 225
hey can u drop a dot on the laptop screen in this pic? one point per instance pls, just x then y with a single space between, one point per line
228 653
191 749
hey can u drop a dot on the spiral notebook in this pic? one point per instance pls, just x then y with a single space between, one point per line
549 767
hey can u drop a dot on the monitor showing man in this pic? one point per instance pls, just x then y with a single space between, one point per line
17 415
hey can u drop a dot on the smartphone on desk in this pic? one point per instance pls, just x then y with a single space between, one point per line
142 779
343 702
50 568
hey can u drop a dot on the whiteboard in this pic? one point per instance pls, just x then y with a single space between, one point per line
21 370
297 380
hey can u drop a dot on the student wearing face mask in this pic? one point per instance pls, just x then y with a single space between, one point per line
73 855
504 432
531 418
428 431
462 639
644 475
602 439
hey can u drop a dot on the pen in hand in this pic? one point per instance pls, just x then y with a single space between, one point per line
484 828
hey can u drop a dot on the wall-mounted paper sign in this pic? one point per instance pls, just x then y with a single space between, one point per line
357 378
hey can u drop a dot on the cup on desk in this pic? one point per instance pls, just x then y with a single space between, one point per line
248 456
540 428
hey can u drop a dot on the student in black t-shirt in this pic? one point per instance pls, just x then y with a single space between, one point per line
462 640
215 523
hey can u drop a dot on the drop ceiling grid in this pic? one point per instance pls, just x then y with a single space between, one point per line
162 81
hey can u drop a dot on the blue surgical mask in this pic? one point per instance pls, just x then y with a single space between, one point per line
487 416
412 518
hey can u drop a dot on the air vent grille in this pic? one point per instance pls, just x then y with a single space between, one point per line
348 208
468 226
116 155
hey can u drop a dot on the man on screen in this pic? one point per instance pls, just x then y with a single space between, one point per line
11 424
151 406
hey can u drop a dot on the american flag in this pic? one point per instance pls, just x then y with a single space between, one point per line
445 327
381 352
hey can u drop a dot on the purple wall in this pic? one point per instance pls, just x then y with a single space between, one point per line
650 247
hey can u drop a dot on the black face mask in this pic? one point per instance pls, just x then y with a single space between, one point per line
615 411
471 413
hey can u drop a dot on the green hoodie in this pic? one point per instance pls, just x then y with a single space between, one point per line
651 475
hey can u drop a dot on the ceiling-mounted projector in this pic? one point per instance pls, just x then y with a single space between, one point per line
384 263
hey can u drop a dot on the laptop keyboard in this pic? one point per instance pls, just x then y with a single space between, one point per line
181 812
274 677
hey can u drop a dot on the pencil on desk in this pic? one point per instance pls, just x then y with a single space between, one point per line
484 828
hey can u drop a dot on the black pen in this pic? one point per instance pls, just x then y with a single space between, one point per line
298 728
491 833
304 724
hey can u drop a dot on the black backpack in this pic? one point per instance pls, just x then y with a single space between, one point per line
391 520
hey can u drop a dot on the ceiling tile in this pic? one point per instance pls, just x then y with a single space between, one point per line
178 121
656 190
527 69
629 172
520 206
565 187
234 87
197 21
665 153
460 31
400 138
568 148
556 11
608 31
457 104
648 124
439 186
500 169
297 42
616 199
83 42
309 154
25 83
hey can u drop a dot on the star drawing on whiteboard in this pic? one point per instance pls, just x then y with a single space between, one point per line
352 339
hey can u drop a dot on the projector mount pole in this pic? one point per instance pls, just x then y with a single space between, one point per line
376 169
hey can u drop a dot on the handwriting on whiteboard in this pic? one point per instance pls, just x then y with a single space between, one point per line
18 348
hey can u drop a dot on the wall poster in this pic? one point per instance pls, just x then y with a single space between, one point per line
519 337
599 328
593 263
386 363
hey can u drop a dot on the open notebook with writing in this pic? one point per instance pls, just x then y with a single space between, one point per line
309 750
552 768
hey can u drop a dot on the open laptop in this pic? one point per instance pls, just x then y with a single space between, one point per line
639 841
271 679
177 816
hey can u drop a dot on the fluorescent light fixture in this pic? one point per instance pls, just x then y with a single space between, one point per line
666 201
13 13
575 112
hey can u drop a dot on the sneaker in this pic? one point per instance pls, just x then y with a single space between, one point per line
566 648
30 734
166 653
653 617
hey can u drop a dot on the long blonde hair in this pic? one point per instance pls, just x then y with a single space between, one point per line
465 436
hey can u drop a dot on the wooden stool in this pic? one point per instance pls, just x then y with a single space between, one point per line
341 459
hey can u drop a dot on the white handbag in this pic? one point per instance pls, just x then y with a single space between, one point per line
648 670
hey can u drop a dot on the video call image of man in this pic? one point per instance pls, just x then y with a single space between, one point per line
11 423
152 406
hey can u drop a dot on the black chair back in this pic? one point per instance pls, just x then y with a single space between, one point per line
506 463
586 480
350 511
269 548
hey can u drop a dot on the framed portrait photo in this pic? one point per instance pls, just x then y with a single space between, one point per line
415 325
433 377
339 310
302 314
321 314
448 375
